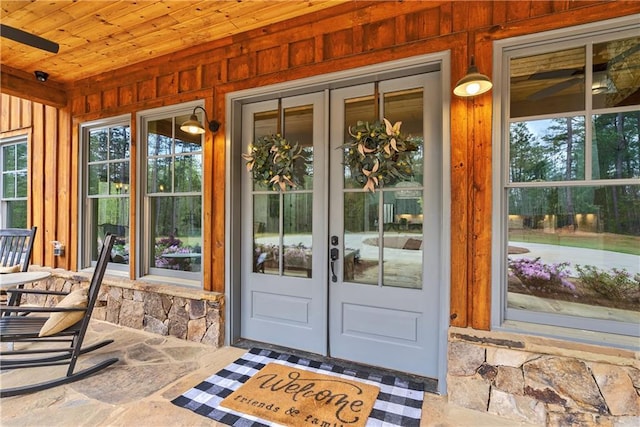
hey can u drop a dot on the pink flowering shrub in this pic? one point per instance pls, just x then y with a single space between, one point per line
536 274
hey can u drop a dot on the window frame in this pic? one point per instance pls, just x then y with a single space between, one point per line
143 268
84 236
15 140
549 324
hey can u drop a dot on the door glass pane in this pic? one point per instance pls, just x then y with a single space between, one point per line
549 83
615 73
356 109
264 124
402 248
298 129
575 251
361 258
266 233
297 239
402 203
406 106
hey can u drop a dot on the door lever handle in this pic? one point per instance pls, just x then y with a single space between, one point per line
335 254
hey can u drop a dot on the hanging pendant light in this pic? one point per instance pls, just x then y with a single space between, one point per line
474 83
193 125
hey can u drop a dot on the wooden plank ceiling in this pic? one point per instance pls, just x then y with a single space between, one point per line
97 36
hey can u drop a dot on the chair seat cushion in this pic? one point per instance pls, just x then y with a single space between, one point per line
60 321
10 269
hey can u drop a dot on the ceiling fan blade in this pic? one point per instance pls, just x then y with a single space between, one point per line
550 90
28 39
556 74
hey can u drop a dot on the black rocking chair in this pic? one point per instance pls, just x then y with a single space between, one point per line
20 329
16 245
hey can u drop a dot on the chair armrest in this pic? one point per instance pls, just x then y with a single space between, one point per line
35 291
28 309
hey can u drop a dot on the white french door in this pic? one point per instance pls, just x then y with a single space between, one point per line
384 304
330 268
284 247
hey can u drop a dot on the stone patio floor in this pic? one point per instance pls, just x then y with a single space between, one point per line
152 370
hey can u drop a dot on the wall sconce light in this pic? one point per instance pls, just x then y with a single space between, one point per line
41 76
473 83
194 126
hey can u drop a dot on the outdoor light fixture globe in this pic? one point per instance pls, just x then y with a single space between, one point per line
193 125
474 83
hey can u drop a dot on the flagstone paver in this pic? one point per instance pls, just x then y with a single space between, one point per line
137 391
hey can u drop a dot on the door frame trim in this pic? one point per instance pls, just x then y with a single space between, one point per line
234 169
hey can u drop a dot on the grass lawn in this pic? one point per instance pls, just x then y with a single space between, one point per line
602 241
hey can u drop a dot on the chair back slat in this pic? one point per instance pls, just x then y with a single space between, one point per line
16 245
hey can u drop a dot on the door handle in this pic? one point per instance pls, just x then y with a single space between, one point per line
335 254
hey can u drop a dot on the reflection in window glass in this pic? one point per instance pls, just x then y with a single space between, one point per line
174 189
616 145
547 150
402 237
266 233
383 238
571 194
297 238
107 189
615 78
176 227
361 230
573 247
549 83
265 123
355 109
298 129
13 193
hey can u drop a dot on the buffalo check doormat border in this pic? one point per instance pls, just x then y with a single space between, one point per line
399 402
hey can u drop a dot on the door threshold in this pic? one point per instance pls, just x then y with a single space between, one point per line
430 384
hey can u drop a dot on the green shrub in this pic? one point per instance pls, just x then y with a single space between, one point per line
616 284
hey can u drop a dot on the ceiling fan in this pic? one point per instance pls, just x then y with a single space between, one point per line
28 39
572 76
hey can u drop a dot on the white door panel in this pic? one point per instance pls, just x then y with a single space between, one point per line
384 307
284 299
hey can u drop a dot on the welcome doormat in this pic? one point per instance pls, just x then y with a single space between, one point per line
290 395
399 401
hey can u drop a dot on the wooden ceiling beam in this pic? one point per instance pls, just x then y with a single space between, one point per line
24 85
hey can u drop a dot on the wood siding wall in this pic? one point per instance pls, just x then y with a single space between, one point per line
51 185
347 36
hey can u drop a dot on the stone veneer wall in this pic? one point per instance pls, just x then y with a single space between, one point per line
543 381
182 312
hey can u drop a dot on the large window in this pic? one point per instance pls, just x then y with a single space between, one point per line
107 186
13 183
168 182
172 213
567 228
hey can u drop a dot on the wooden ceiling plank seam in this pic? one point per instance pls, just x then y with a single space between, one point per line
12 7
84 67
